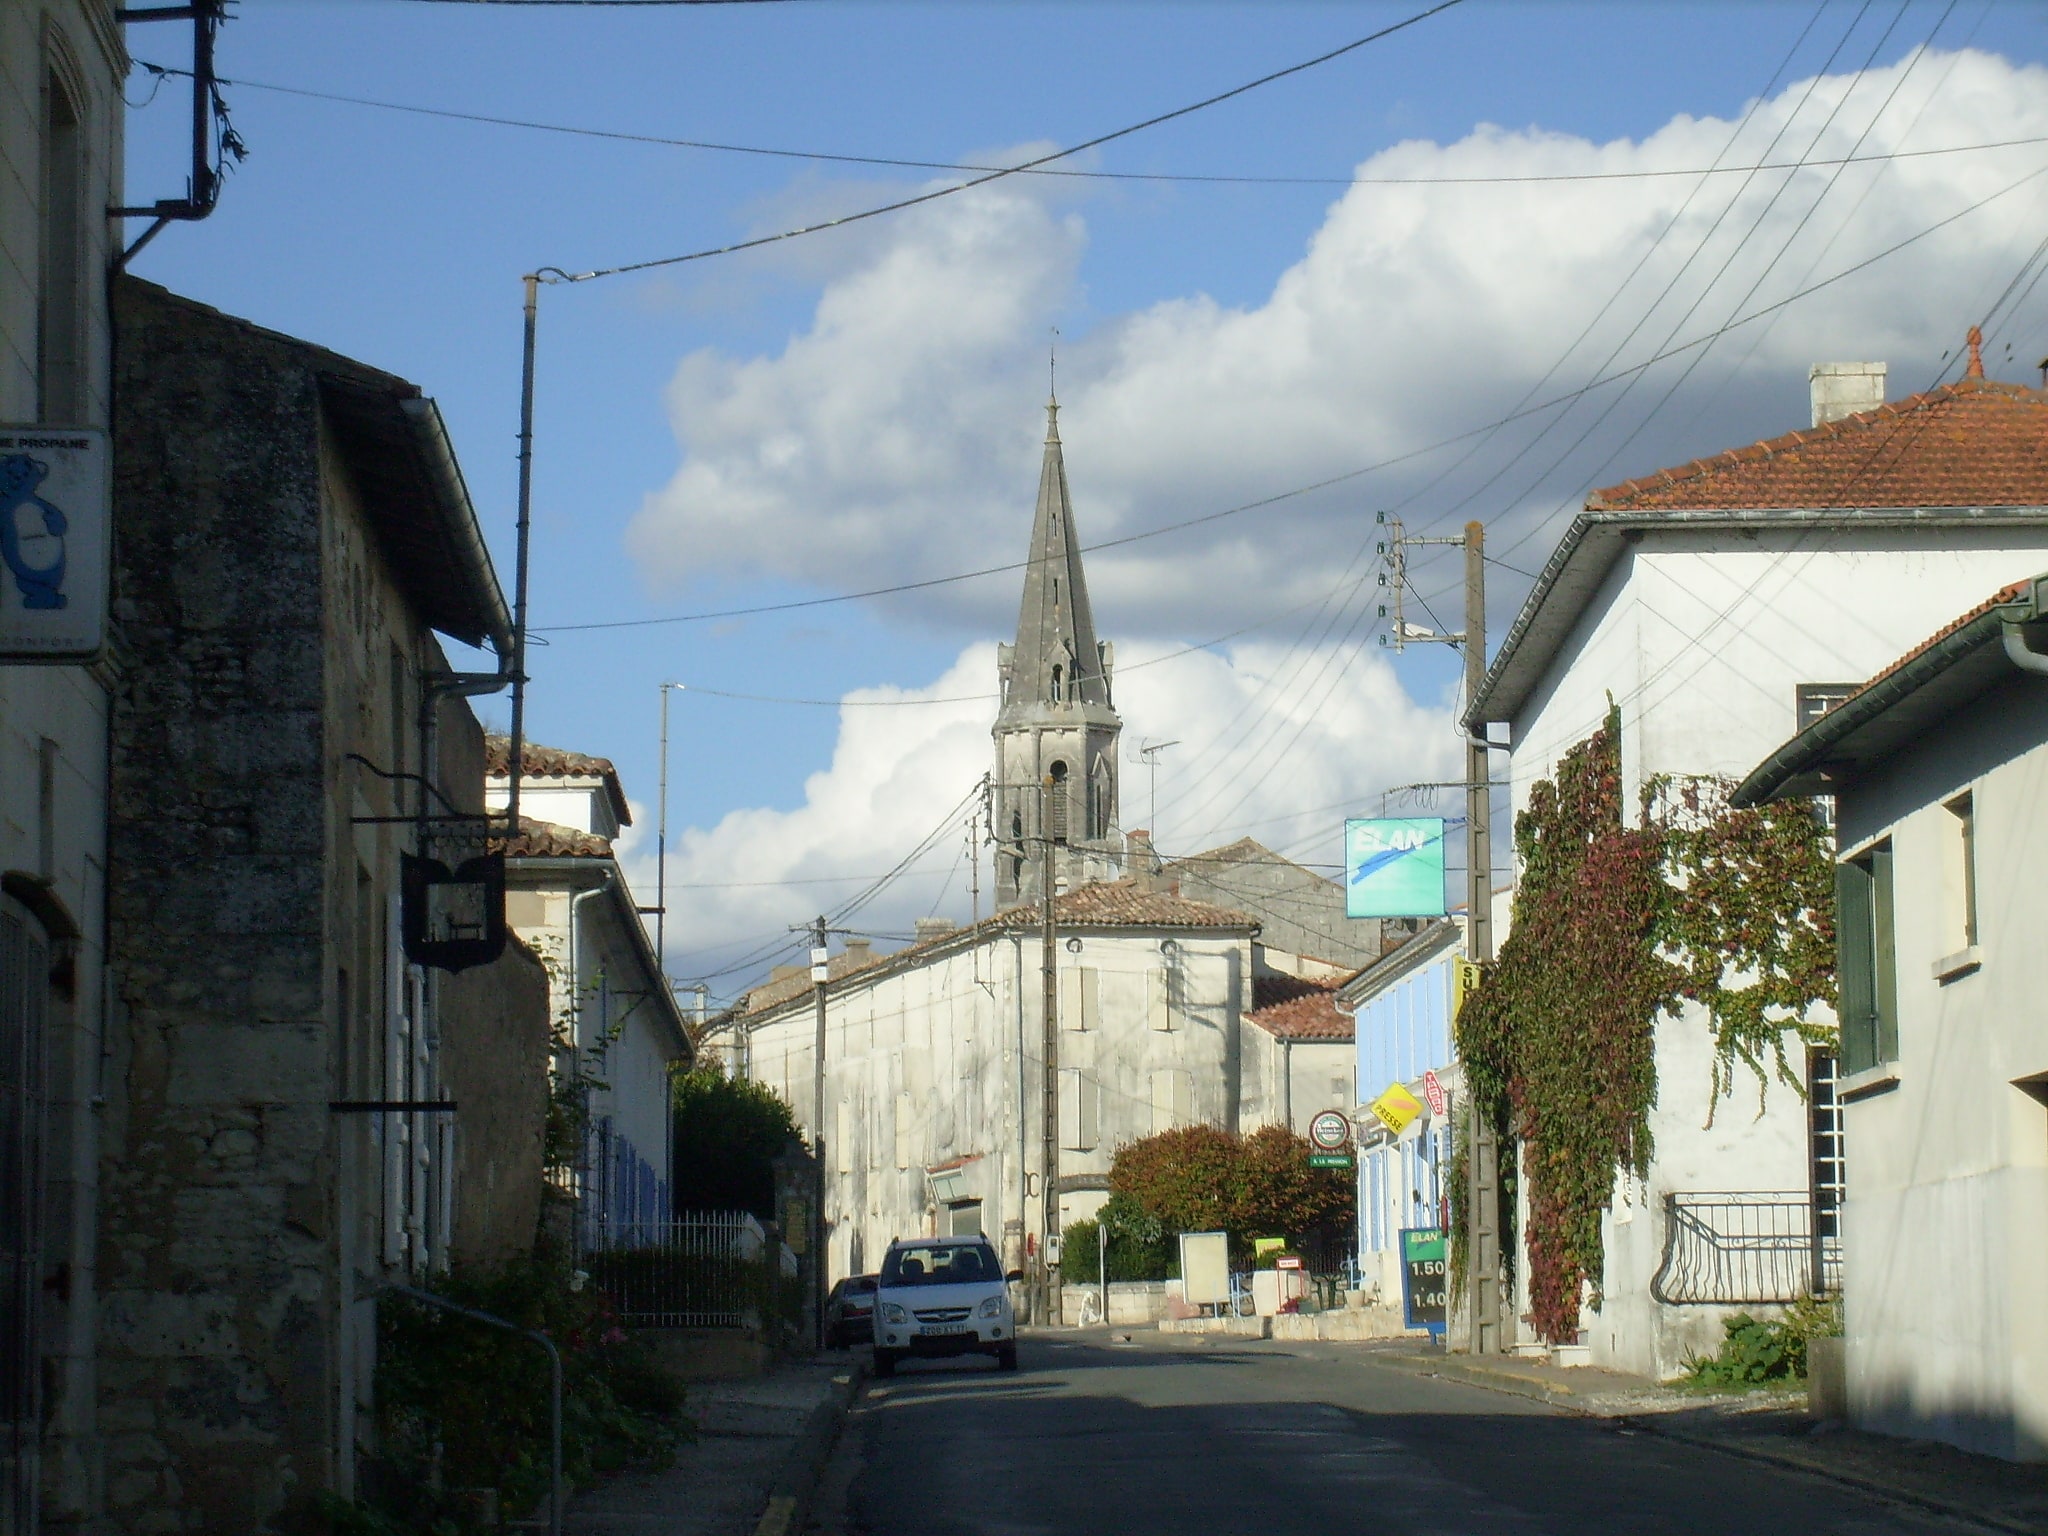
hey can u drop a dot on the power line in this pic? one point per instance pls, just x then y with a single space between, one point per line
996 175
898 162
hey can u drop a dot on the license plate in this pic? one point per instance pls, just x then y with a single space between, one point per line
936 1328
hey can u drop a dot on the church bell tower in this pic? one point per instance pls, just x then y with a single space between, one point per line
1056 734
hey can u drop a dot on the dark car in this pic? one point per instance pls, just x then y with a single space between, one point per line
849 1312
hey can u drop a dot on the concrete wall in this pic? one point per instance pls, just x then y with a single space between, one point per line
1702 639
53 718
494 1063
939 1063
1945 1229
1322 1072
1298 910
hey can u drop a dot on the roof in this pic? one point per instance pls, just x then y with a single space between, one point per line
398 454
547 840
1965 658
1309 1012
1972 453
1973 443
540 762
1100 904
1444 934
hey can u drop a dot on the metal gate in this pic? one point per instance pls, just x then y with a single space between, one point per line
24 988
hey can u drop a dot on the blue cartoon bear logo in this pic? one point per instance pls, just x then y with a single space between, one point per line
31 533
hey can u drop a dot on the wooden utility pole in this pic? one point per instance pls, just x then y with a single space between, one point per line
1482 1238
1049 1159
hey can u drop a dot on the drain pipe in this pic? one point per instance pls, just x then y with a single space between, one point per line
2022 655
576 1021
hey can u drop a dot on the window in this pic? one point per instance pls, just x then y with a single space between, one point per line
1812 700
1828 1173
1959 874
1058 796
963 1219
1080 1111
1055 685
1080 998
60 323
1867 970
1173 1094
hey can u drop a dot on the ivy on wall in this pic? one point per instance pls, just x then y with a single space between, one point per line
1614 924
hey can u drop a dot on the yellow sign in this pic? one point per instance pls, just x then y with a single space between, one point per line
1261 1246
1396 1109
1464 982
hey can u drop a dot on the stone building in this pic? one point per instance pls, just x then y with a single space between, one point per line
935 1061
295 536
61 68
620 1034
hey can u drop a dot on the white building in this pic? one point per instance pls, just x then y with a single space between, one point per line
1298 1057
1718 604
61 67
618 1025
935 1063
1939 768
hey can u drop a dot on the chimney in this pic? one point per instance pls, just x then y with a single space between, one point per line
1843 389
929 928
858 953
1141 861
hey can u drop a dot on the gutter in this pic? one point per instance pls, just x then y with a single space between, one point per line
430 437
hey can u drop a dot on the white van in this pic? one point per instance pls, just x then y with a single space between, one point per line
943 1296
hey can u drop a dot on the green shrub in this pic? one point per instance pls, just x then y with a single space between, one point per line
1755 1352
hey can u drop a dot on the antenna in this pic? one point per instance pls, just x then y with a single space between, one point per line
1150 753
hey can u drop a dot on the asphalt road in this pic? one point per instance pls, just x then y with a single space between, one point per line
1173 1436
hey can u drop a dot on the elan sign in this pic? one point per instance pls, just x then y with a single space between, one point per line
1394 867
55 514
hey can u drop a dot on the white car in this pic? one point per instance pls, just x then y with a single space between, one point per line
943 1296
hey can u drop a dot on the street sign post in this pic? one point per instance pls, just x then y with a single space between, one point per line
1329 1159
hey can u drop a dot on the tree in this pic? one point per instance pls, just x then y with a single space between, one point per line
1200 1179
728 1135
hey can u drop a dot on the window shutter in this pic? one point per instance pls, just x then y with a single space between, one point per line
1884 958
1158 1001
1091 998
1079 1102
1071 1015
1855 981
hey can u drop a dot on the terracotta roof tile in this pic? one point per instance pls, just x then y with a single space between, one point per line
1310 1014
546 840
542 762
1973 443
1998 599
780 989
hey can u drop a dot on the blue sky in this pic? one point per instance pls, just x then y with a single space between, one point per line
861 406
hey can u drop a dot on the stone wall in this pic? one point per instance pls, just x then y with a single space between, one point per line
494 1043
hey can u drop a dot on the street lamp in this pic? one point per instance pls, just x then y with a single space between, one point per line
661 840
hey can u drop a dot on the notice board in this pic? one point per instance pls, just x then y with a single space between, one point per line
1425 1278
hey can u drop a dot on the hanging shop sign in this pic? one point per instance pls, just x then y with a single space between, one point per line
1394 866
1330 1130
452 919
1396 1109
1433 1090
55 514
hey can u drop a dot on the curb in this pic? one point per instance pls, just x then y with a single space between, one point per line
1559 1396
795 1483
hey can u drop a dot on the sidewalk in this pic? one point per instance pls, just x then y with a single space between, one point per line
1768 1426
758 1440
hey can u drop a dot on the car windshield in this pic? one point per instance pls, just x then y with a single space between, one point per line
939 1264
860 1284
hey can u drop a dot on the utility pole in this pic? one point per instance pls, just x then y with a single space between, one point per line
1049 1162
820 976
1482 1241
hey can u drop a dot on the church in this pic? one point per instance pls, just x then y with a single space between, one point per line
1200 991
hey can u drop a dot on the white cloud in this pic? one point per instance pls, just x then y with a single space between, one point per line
1267 733
895 438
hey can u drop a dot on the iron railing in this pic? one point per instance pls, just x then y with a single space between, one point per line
706 1270
1737 1248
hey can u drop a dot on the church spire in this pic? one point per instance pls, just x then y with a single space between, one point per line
1055 659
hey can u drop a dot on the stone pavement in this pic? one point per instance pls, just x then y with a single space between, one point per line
748 1433
1768 1426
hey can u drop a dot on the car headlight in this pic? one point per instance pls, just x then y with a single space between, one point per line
894 1313
993 1307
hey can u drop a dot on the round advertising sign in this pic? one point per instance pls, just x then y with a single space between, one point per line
1330 1131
